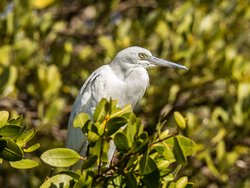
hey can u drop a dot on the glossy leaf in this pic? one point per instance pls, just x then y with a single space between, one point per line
178 152
121 141
10 130
151 174
141 143
11 152
25 137
114 124
131 179
90 162
60 157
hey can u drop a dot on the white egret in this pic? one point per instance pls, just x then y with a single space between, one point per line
125 79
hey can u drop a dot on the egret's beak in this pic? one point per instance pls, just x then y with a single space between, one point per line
162 62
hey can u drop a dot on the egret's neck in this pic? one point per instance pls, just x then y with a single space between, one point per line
125 71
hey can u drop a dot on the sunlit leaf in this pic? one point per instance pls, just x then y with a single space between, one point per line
60 180
181 182
132 128
180 120
100 111
40 4
24 164
4 116
84 181
60 157
188 146
80 120
25 137
17 121
164 134
115 111
32 148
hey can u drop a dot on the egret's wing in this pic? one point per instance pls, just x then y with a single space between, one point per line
90 94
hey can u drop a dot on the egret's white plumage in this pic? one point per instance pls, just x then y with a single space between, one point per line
125 79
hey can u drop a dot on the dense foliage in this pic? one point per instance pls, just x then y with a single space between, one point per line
48 48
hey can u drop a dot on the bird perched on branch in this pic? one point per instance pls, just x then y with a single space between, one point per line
125 79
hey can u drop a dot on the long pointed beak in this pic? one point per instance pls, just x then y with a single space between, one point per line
162 62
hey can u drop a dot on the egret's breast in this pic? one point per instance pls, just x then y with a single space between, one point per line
130 88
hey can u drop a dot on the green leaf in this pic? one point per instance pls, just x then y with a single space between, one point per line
178 152
151 174
10 130
180 120
60 180
84 181
32 148
17 121
188 146
25 137
181 182
81 119
24 164
100 111
130 179
164 134
11 152
132 128
144 164
121 141
3 144
60 157
114 124
141 143
73 174
118 112
92 137
4 116
90 162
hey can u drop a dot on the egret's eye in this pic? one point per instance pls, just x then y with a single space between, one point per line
142 56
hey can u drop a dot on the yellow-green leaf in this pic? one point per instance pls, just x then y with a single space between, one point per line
24 164
60 157
180 120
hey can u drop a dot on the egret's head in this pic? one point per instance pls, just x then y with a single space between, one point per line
137 56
